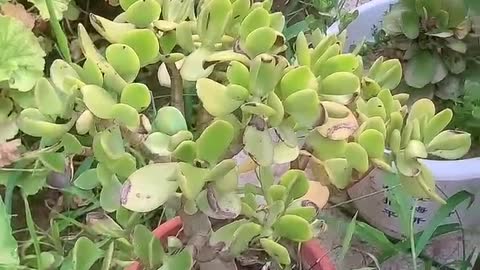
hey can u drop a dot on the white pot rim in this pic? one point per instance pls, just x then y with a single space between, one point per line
454 170
333 29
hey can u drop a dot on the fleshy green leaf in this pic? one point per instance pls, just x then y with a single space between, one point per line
214 141
84 254
98 101
144 43
143 241
53 161
47 99
124 60
111 194
150 187
169 120
420 70
33 123
143 13
87 180
296 183
71 144
277 251
136 95
218 99
293 228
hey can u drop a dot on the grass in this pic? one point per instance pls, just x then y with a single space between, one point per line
32 231
60 36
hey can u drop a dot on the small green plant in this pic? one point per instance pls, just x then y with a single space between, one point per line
434 39
95 112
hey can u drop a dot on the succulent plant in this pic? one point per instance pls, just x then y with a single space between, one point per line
380 130
259 103
434 39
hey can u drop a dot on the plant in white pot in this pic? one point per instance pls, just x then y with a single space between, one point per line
416 32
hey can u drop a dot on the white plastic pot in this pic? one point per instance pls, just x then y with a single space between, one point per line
451 175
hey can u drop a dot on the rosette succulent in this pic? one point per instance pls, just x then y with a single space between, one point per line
434 39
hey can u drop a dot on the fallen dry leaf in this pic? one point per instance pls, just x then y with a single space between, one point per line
18 12
9 152
317 193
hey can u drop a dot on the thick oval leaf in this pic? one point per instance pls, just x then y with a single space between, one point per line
143 13
169 120
373 142
276 251
357 157
124 60
340 83
125 115
98 101
84 254
33 123
242 237
91 73
150 187
87 180
297 79
293 228
111 194
410 24
296 183
259 145
420 70
339 172
144 43
219 206
450 144
158 143
48 100
214 141
260 40
220 100
304 107
137 95
238 73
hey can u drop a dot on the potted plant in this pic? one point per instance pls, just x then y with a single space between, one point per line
401 30
319 107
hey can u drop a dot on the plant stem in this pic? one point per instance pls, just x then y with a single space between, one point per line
177 87
32 231
62 41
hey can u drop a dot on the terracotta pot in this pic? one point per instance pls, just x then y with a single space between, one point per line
314 255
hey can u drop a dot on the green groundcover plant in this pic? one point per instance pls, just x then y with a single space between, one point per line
321 105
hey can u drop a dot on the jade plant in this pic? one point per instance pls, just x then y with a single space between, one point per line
321 105
434 39
364 125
